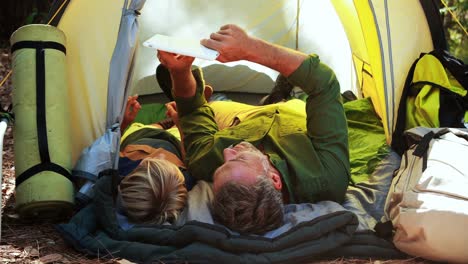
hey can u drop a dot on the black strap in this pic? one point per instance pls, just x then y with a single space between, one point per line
452 105
423 145
454 65
79 174
40 168
431 10
384 229
452 108
398 142
27 44
41 120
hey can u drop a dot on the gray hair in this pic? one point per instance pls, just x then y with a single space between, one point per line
254 209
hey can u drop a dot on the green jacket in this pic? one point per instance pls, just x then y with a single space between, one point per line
310 152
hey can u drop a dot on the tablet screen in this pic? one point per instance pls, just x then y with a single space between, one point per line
182 46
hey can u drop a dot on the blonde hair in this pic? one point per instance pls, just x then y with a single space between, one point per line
154 192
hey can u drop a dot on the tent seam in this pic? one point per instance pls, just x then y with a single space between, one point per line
382 57
392 79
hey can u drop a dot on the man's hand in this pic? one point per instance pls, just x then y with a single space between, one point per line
232 43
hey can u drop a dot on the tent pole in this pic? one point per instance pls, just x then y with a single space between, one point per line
56 12
298 8
454 17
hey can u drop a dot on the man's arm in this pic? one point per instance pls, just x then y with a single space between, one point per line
326 121
196 119
234 44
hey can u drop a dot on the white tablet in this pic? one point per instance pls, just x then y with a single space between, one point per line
182 46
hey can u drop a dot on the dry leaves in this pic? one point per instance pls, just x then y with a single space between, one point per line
26 242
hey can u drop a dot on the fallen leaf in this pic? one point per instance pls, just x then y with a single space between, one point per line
13 216
15 253
50 258
34 253
124 261
29 252
50 241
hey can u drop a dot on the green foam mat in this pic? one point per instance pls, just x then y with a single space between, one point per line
151 113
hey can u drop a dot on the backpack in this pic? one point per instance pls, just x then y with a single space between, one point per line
434 95
427 204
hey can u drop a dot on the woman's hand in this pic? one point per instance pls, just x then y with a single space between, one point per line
180 67
171 111
175 62
131 110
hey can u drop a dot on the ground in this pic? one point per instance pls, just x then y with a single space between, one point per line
20 241
38 242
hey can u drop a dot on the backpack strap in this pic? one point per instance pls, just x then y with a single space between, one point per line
450 114
384 229
398 143
456 66
423 146
452 108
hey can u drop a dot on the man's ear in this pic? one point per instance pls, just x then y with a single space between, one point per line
276 178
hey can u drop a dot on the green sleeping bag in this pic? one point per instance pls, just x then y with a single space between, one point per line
42 143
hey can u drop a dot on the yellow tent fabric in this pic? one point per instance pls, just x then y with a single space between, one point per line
370 44
91 29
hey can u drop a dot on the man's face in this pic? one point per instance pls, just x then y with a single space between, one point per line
242 163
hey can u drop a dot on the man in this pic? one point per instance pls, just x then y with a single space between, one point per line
291 157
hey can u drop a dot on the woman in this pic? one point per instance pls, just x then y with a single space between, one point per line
155 181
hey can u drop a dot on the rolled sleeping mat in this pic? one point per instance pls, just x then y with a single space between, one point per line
42 143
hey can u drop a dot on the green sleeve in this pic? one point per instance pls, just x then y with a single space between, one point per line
199 127
185 106
326 121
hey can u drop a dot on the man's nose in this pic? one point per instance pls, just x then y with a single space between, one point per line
229 154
